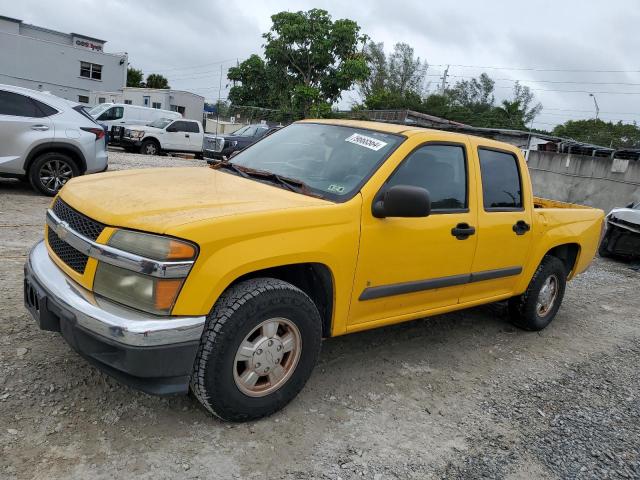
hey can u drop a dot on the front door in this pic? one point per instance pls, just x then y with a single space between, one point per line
176 137
504 236
411 265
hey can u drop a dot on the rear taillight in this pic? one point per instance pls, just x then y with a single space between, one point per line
98 132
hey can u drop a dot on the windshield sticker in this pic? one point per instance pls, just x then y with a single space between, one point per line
336 188
367 142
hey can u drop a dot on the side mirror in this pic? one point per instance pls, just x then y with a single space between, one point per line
630 205
403 201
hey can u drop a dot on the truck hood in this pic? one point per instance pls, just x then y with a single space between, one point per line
158 199
145 128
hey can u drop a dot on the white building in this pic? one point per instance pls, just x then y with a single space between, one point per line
189 104
69 65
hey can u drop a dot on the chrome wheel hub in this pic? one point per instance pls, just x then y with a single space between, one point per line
267 357
547 296
54 174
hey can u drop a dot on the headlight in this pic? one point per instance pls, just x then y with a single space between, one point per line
134 133
150 294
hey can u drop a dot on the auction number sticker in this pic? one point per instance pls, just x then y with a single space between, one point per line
367 142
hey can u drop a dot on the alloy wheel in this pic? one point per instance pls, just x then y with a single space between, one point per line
54 174
267 357
547 296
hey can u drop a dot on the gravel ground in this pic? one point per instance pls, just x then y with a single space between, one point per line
463 395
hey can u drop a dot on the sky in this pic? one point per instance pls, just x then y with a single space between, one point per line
563 50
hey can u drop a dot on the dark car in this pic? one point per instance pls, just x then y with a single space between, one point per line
216 147
622 234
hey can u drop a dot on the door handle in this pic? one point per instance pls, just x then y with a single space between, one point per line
40 128
186 135
462 231
521 227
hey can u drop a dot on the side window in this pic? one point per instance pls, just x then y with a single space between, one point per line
501 184
113 113
192 127
441 169
177 127
20 106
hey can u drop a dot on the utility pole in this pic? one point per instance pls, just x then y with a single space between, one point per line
218 104
596 104
443 86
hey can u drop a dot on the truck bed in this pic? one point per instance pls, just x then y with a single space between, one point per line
539 202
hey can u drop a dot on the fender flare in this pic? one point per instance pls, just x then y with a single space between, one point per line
75 152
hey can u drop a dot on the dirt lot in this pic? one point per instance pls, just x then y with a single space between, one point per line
463 395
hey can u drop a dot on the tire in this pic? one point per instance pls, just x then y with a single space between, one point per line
603 249
51 171
150 147
223 373
535 309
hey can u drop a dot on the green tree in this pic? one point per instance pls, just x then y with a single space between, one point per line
599 132
473 102
309 62
155 80
134 77
395 81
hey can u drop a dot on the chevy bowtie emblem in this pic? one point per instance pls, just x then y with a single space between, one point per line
62 230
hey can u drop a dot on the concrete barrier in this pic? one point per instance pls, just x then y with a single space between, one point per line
599 182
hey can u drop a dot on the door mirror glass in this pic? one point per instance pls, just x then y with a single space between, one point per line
403 201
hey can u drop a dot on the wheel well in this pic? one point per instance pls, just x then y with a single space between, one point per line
567 253
314 279
151 139
69 150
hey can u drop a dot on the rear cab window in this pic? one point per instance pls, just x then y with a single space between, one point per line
501 180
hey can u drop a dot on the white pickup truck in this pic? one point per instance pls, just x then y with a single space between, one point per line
164 135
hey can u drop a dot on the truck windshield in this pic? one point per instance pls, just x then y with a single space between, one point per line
160 123
333 161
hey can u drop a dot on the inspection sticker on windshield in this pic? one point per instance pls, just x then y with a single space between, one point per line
367 142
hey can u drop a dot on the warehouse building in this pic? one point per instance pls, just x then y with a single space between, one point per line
69 65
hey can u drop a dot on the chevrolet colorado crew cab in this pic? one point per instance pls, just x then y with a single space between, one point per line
224 280
164 135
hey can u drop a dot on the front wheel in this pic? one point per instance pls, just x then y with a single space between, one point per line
260 344
538 305
149 147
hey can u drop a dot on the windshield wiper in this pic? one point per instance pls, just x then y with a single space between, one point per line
230 166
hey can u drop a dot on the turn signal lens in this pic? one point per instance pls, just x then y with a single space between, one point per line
166 292
180 251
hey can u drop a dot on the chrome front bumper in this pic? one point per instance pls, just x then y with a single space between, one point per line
103 317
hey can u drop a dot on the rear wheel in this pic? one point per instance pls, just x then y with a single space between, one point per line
539 304
260 344
51 171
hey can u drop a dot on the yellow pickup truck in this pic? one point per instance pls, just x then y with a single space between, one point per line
224 280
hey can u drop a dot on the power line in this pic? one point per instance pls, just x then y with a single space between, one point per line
535 69
160 70
544 81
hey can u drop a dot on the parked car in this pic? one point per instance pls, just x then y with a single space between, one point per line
217 147
164 135
622 234
47 140
116 116
225 279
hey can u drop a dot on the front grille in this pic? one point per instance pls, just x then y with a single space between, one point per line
65 252
77 221
80 223
215 144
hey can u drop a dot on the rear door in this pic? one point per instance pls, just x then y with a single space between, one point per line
504 219
193 136
24 124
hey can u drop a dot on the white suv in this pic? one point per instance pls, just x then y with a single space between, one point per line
47 140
